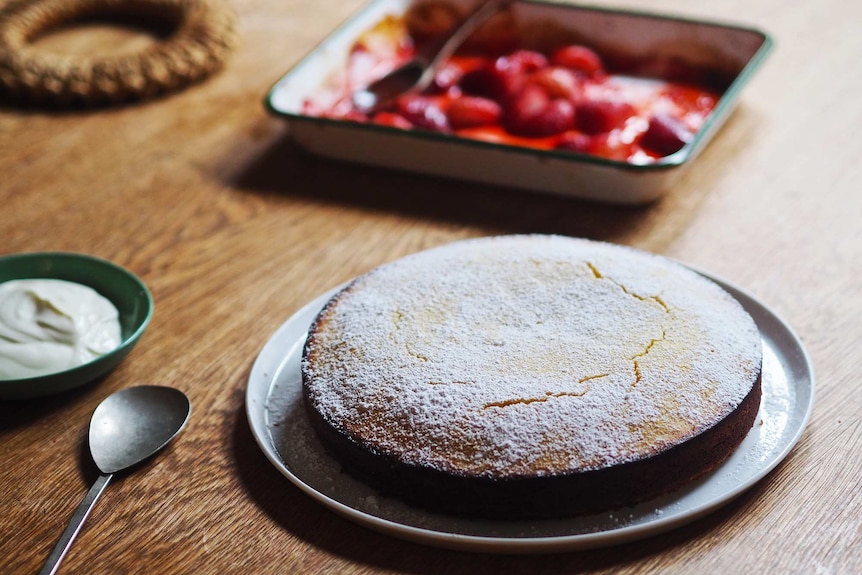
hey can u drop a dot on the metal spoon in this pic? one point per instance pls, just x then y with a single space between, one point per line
127 427
418 73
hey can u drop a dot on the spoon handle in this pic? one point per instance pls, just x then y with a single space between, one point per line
75 525
483 11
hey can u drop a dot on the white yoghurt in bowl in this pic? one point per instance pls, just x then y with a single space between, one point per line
50 325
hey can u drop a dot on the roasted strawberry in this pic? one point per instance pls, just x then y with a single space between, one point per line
490 82
521 61
575 141
611 147
528 102
665 135
423 112
578 58
557 81
602 145
473 111
446 77
599 116
505 77
392 119
556 118
533 113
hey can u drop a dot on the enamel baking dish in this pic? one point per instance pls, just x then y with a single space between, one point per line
737 49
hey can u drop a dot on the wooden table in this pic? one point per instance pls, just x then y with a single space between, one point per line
202 195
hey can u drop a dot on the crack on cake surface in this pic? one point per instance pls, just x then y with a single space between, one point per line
635 358
654 298
528 400
548 395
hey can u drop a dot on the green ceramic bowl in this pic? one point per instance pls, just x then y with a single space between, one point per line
125 290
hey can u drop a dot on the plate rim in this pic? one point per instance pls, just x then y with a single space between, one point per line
256 415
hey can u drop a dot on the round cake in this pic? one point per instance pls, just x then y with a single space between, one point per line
531 376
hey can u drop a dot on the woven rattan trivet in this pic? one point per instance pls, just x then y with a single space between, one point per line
200 35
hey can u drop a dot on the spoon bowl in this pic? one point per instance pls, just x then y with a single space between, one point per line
128 427
418 73
135 423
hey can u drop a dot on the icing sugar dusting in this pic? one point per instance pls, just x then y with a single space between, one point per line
524 355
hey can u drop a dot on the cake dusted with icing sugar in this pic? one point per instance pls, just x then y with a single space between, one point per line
531 376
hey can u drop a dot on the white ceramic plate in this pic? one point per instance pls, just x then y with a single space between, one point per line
278 422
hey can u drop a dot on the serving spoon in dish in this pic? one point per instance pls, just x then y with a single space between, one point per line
129 426
418 73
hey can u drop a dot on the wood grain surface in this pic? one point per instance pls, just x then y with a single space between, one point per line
233 229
